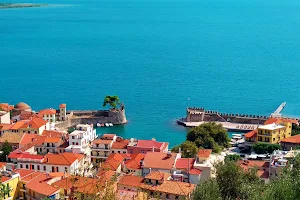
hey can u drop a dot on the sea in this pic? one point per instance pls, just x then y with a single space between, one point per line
235 56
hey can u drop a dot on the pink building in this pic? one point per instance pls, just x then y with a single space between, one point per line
144 146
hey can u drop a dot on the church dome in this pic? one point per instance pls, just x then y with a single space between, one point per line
22 106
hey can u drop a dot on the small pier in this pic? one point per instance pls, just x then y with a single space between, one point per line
277 112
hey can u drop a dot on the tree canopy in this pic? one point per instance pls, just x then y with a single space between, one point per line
188 149
112 101
261 148
232 182
209 136
6 149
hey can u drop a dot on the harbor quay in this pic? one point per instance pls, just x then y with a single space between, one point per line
232 122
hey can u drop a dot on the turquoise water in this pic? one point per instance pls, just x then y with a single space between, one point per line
233 56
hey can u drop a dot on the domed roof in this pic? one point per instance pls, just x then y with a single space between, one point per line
22 106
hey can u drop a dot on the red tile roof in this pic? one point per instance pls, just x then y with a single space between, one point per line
5 127
113 162
19 124
2 165
51 133
99 141
47 112
129 180
253 163
159 160
135 161
293 139
62 159
80 184
171 187
251 134
34 123
108 136
183 163
120 145
157 175
280 120
6 107
63 105
24 155
52 140
150 144
27 138
204 153
39 185
27 174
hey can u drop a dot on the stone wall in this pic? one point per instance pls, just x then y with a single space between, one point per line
93 117
196 115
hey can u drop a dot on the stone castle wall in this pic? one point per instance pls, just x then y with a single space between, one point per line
200 114
75 117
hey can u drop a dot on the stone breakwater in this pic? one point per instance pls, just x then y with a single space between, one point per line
114 116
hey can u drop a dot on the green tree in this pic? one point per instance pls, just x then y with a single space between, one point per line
261 148
209 136
234 157
6 149
230 182
188 149
112 101
295 129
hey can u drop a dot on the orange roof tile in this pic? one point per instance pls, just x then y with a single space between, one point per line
171 187
159 160
38 140
108 136
6 107
62 159
63 105
27 138
39 185
157 175
100 141
293 139
113 162
129 180
18 124
253 163
151 144
27 174
34 123
280 120
81 184
120 145
5 127
251 134
106 174
2 164
47 112
51 133
135 161
52 140
188 165
204 153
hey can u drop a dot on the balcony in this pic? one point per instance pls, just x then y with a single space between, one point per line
101 148
99 156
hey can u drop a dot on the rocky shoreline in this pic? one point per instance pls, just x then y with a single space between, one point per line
20 5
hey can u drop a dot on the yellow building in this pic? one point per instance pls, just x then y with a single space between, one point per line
10 183
273 130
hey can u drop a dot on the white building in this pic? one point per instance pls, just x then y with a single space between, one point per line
65 162
101 148
48 115
4 117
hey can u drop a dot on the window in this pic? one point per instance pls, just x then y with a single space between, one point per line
167 196
21 166
33 167
177 197
119 151
76 143
143 151
66 169
113 151
124 151
28 131
73 137
35 132
26 166
52 169
56 169
38 167
44 168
